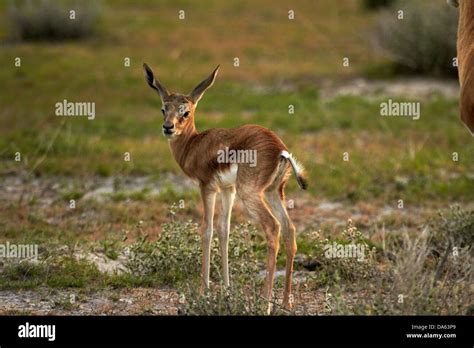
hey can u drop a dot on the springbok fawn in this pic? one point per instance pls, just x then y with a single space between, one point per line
260 185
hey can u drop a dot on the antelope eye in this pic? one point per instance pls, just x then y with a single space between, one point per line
163 111
186 114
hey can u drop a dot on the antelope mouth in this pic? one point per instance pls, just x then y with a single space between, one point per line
168 133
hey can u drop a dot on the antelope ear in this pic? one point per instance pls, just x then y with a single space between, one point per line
454 3
198 92
154 83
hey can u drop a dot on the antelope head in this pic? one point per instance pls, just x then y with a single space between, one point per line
178 109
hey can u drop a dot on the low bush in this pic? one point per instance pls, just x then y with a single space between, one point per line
456 226
176 254
52 19
332 270
423 41
175 259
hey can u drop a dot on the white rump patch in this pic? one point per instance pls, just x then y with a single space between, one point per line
285 154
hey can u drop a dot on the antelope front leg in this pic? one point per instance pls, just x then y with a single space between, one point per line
208 199
227 200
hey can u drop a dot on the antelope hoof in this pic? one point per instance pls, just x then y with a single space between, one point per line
288 305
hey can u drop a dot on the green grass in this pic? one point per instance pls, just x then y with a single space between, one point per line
380 149
70 273
128 117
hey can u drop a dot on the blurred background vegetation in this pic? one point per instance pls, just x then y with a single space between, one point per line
51 20
282 62
426 41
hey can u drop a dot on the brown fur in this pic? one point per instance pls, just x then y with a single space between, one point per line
465 47
261 188
196 153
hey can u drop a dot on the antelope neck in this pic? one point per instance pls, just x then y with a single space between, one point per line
180 145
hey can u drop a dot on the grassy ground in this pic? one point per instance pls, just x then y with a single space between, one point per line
282 62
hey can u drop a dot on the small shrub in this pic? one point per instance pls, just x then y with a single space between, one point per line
176 255
175 258
455 226
58 272
424 41
21 271
334 270
50 19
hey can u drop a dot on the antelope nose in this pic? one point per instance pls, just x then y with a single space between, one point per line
168 127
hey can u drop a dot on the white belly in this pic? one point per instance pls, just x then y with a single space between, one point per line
228 177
